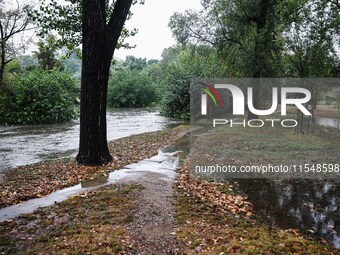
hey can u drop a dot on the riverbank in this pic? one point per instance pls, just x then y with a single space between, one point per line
37 180
147 215
210 218
93 223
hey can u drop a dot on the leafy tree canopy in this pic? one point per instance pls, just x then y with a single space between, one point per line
65 19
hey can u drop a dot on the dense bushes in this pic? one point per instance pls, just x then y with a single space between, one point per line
180 67
176 101
39 97
129 88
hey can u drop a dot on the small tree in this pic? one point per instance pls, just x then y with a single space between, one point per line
12 22
46 55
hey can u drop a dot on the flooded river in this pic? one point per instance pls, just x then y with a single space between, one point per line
21 145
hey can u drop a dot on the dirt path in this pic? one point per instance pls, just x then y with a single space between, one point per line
153 224
145 227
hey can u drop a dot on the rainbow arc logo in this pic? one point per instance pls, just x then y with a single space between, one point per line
214 95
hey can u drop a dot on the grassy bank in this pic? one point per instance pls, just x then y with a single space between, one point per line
239 146
93 223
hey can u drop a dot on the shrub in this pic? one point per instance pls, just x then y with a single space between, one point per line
176 101
39 97
129 88
189 63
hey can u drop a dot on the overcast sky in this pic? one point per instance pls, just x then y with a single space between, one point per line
151 20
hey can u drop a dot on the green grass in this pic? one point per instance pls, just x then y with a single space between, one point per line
93 224
247 146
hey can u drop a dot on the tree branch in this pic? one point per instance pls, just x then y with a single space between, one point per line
116 23
199 37
9 60
1 31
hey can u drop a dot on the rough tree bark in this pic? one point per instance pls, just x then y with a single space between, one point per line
99 42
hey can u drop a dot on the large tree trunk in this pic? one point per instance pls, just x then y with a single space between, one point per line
99 42
93 148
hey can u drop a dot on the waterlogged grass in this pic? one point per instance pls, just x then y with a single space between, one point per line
94 223
239 145
204 230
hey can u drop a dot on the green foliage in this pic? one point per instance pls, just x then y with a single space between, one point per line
46 55
179 69
134 63
130 88
240 30
258 39
155 72
11 72
39 97
176 102
65 19
289 38
311 42
13 67
73 65
28 62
